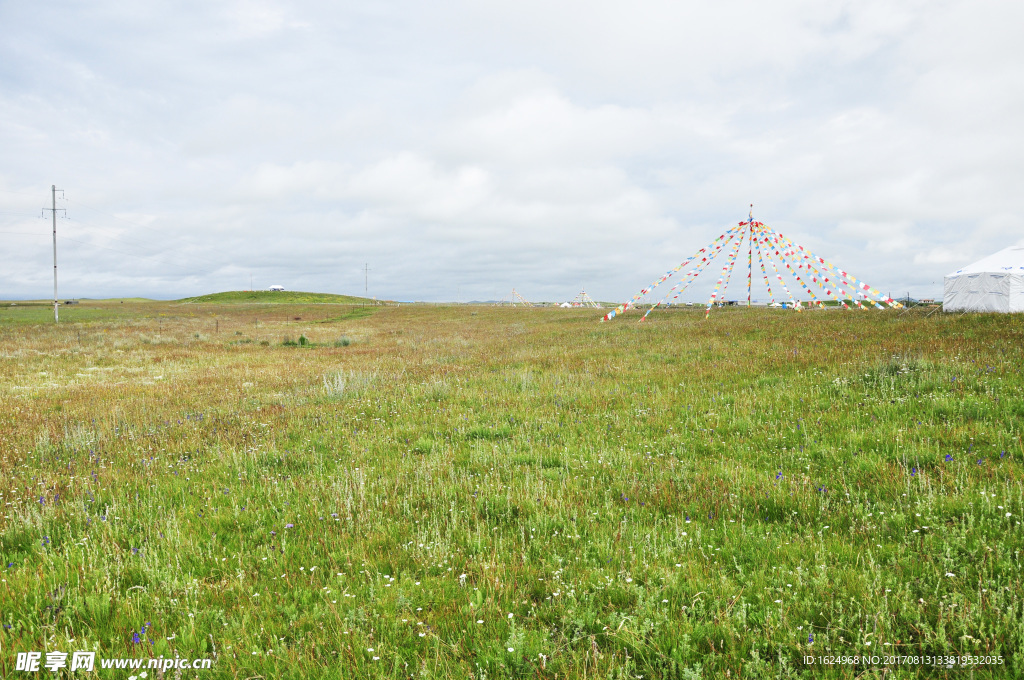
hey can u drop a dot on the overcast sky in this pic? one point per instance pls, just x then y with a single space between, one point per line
463 148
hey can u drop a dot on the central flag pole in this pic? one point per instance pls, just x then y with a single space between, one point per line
750 251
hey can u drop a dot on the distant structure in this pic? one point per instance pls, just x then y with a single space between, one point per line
513 299
276 289
994 284
583 300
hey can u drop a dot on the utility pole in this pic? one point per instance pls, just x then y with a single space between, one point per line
53 209
366 281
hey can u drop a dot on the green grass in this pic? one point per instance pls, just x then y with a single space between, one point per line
277 297
675 499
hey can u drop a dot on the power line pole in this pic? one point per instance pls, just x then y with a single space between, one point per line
366 281
53 210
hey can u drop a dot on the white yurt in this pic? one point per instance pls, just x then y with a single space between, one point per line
994 284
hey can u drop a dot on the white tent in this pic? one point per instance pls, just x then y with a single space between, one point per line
995 284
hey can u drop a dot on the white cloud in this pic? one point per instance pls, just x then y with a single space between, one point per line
479 145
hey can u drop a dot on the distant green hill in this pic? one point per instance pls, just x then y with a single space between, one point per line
287 296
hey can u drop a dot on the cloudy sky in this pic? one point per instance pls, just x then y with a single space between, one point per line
463 148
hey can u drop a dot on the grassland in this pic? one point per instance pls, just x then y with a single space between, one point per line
453 492
277 297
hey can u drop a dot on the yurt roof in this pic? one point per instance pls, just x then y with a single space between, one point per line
1008 260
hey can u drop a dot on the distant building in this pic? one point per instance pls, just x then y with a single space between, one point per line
276 289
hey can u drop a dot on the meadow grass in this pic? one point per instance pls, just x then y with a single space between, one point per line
478 492
278 297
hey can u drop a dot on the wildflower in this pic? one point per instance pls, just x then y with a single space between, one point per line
511 649
949 457
810 639
913 471
289 526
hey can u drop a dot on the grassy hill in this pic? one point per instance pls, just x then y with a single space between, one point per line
287 296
